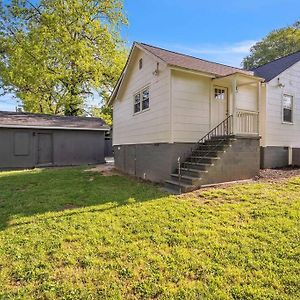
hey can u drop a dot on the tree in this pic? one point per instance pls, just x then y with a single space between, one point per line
276 44
55 53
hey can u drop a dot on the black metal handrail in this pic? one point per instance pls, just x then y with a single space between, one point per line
225 128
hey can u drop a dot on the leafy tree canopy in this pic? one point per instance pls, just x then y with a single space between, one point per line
276 44
55 53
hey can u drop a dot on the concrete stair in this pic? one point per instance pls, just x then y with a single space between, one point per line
195 170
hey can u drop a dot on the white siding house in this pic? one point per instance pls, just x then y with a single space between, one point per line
280 112
174 112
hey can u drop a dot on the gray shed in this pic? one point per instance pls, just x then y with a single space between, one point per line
36 140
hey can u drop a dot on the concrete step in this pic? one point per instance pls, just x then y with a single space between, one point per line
182 187
192 172
196 165
211 147
203 159
219 142
191 180
210 153
222 137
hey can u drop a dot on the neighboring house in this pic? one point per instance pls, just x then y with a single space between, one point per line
35 140
280 113
188 121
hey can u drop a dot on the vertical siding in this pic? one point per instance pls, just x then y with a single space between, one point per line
278 133
153 125
190 103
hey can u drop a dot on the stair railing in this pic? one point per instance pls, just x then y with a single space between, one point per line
225 128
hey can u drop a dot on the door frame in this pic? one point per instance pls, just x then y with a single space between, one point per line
37 133
212 98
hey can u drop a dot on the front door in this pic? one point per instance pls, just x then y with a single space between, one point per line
219 109
45 149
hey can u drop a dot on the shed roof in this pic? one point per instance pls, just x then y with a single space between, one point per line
192 63
42 121
275 67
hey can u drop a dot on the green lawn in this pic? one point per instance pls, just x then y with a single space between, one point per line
71 234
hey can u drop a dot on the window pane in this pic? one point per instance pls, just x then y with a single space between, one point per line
219 94
287 101
137 107
145 101
137 98
287 115
137 103
145 104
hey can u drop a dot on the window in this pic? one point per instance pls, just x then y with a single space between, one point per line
287 108
219 94
141 100
140 63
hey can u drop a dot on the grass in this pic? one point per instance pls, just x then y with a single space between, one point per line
71 234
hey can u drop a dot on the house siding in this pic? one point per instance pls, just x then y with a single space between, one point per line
247 98
149 126
278 133
190 106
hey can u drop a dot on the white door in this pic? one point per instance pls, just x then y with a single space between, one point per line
219 107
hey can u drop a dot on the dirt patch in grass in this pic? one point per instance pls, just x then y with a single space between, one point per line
277 174
69 207
107 169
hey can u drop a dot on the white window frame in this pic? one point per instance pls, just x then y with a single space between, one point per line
140 92
282 113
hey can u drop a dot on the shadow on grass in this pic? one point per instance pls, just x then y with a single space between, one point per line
28 193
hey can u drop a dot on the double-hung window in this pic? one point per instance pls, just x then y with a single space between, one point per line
287 108
141 100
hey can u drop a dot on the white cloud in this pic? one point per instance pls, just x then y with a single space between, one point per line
230 54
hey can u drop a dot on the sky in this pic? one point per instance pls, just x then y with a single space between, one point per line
221 31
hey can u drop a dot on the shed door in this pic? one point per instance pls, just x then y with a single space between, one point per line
219 110
45 148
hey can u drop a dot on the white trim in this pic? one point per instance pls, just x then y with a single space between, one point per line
53 128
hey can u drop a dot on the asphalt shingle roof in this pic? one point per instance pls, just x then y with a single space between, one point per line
192 63
41 120
275 67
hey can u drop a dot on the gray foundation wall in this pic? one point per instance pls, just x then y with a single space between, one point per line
69 147
154 162
296 157
240 161
278 157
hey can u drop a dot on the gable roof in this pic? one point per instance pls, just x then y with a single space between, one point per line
182 61
192 63
272 69
29 120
